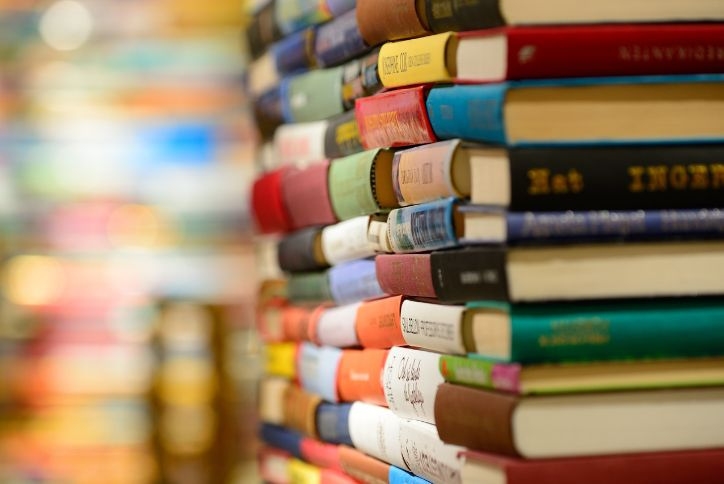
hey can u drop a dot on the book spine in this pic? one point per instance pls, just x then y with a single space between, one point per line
555 333
424 173
476 419
423 227
320 453
470 112
375 431
416 61
261 75
333 423
605 50
281 438
335 326
427 455
378 323
400 476
268 113
302 472
338 7
410 379
469 274
359 78
359 376
342 136
312 96
295 322
309 287
456 16
480 373
292 53
262 30
295 15
614 224
394 118
338 41
355 182
346 240
300 410
273 464
296 251
616 177
317 368
267 205
433 326
271 399
383 20
297 143
408 274
363 467
280 359
354 281
305 193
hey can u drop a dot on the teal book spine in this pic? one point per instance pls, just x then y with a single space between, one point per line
677 328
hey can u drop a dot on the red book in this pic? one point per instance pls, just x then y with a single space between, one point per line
695 466
394 118
305 194
405 274
267 206
320 453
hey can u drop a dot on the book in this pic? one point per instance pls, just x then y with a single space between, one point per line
309 287
339 40
533 52
301 251
342 136
321 454
271 399
383 20
438 224
546 378
282 438
300 410
588 331
704 466
361 184
300 143
342 284
273 464
378 323
306 197
333 423
363 467
334 325
262 30
317 370
359 376
580 424
347 240
267 206
294 15
434 326
557 272
280 359
663 109
303 472
394 118
562 178
314 95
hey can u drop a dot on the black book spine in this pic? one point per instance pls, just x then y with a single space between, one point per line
295 252
342 136
617 177
461 15
470 274
262 30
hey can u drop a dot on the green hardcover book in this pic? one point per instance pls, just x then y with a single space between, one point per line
312 96
361 184
546 333
480 372
309 287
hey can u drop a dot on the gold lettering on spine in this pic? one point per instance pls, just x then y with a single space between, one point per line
717 175
699 177
678 178
539 184
637 183
657 178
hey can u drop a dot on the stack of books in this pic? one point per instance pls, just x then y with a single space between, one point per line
516 275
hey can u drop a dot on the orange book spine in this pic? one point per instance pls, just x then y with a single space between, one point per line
295 322
362 466
378 323
359 377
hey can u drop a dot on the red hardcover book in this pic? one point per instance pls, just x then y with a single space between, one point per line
700 466
405 274
267 207
306 196
607 50
394 118
320 453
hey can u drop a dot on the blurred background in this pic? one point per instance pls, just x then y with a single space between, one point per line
127 274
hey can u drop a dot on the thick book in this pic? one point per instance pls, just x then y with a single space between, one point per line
394 118
549 378
495 55
301 251
354 281
704 466
434 225
580 424
588 331
282 438
617 110
317 370
361 184
342 136
334 325
378 323
347 240
359 376
306 196
557 272
363 467
280 359
561 178
333 422
267 205
314 95
339 40
300 410
300 143
294 15
383 20
322 454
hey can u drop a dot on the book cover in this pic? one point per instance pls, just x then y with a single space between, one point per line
424 227
306 197
333 423
378 323
342 136
363 467
294 15
339 41
300 251
320 453
437 327
359 376
300 143
406 274
335 325
354 281
317 370
451 15
383 20
347 240
267 205
314 95
282 438
300 410
309 287
375 430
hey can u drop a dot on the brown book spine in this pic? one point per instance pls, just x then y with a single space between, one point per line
300 410
476 419
383 20
408 274
363 467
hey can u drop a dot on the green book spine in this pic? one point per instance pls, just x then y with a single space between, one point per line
314 95
350 185
619 330
309 287
480 373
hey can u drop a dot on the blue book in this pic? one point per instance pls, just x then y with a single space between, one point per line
400 476
291 54
282 438
333 423
354 281
339 41
615 110
318 370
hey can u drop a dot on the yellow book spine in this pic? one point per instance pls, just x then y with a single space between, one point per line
280 359
302 473
418 61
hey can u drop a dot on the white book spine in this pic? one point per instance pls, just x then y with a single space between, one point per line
300 143
336 326
433 326
376 431
347 240
427 456
410 379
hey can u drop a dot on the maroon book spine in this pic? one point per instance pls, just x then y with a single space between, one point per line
408 274
306 196
614 50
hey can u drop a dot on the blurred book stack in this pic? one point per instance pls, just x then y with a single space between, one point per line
126 150
503 261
